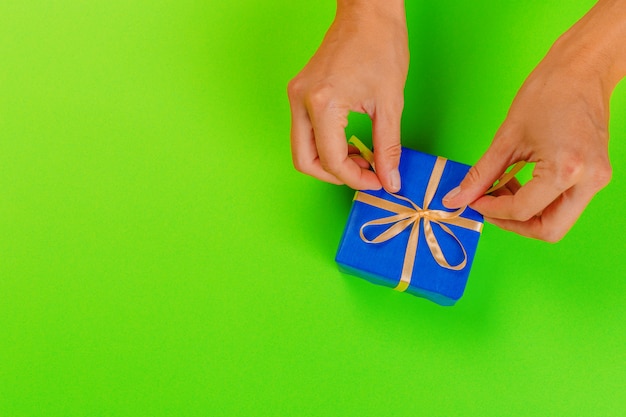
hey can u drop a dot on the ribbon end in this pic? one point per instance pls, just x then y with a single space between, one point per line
402 286
365 151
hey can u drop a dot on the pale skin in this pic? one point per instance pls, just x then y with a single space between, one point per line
558 120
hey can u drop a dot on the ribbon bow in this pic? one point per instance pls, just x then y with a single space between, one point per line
411 216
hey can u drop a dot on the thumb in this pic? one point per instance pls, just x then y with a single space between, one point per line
479 178
387 148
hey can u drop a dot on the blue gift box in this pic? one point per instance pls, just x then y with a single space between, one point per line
409 240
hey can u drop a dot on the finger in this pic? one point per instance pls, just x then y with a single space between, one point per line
555 220
329 124
387 147
303 150
528 201
482 175
360 161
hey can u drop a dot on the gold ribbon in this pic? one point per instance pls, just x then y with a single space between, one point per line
406 217
411 216
506 177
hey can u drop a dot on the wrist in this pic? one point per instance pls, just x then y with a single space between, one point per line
393 9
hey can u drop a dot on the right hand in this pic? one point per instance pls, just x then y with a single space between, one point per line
559 120
360 66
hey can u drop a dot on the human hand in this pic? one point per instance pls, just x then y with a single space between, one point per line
559 120
567 137
360 66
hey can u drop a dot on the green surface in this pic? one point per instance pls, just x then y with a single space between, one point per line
159 255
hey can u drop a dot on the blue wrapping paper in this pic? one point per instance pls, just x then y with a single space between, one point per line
382 263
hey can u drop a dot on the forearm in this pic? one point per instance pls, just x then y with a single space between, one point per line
594 46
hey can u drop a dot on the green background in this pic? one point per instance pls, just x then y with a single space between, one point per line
159 255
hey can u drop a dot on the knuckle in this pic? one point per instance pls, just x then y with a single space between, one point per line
320 97
569 170
295 88
390 153
303 164
330 165
300 165
474 175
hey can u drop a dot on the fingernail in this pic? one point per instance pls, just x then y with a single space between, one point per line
453 193
394 179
